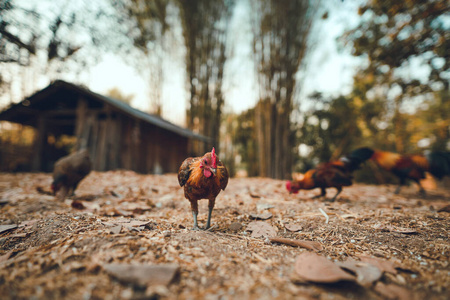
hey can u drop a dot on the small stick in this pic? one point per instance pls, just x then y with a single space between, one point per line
325 215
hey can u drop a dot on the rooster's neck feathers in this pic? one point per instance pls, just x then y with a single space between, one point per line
386 160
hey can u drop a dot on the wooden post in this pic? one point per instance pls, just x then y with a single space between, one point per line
39 143
80 124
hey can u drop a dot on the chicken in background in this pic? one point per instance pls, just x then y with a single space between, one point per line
336 174
411 166
202 178
69 171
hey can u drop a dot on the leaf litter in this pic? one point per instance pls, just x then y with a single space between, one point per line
128 224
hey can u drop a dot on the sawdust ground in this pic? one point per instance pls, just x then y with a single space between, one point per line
57 251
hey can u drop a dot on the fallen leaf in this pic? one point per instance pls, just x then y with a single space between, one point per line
235 226
263 206
444 209
28 223
4 201
311 245
144 275
383 265
115 229
392 291
77 204
263 216
261 229
293 227
366 273
6 256
315 268
402 230
4 228
254 195
41 190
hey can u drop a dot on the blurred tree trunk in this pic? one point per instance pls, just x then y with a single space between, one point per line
280 31
205 26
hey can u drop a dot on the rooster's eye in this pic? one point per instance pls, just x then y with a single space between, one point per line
205 161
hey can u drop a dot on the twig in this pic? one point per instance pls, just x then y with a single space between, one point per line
325 215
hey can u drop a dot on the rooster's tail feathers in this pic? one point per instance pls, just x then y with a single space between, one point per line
357 157
439 164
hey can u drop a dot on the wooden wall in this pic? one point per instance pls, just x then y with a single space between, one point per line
118 141
114 139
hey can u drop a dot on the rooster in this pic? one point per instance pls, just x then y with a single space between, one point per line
69 171
202 178
335 174
411 166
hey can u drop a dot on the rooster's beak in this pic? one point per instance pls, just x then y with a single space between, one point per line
214 171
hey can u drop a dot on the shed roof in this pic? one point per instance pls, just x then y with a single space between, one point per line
24 111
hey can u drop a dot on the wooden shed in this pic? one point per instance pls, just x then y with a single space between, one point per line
117 135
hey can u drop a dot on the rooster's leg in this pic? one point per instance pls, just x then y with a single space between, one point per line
339 190
194 207
421 189
210 209
402 182
322 193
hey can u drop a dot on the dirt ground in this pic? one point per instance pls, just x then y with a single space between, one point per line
104 242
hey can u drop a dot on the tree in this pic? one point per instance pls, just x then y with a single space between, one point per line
205 26
117 94
39 40
281 31
406 44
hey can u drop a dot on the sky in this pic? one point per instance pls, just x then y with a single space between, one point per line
328 70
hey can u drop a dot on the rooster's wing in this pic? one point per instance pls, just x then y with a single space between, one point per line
223 175
185 170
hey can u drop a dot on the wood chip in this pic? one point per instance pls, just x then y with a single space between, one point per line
311 245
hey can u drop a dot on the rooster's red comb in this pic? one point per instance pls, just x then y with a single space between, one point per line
214 157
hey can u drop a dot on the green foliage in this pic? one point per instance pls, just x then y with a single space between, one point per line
406 44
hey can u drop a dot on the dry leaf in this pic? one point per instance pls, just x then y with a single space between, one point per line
366 273
4 228
254 195
115 229
144 275
444 209
77 204
263 216
235 226
392 291
402 230
293 227
6 256
383 265
261 229
4 201
315 268
263 206
311 245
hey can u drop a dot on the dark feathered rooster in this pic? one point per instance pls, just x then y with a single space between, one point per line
410 166
69 171
202 178
335 174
